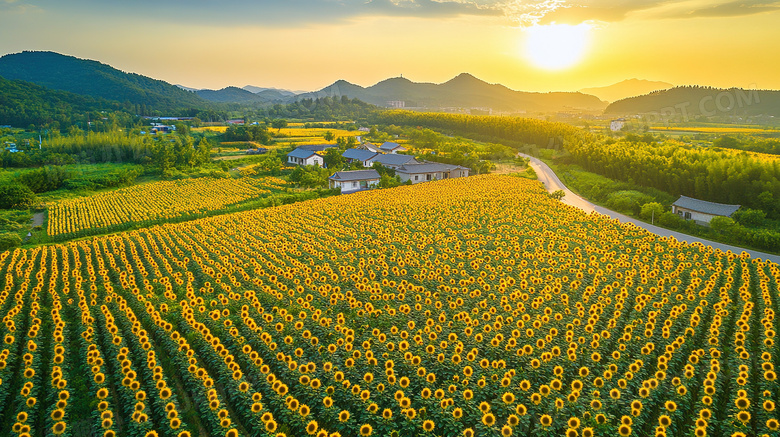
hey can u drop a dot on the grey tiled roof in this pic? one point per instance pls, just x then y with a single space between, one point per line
427 167
706 207
358 154
317 147
301 153
355 175
393 159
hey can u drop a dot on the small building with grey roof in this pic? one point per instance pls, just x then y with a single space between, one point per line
430 171
392 161
360 155
390 147
701 211
301 156
356 180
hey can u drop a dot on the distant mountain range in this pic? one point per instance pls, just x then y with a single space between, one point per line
108 87
463 91
625 89
693 101
92 78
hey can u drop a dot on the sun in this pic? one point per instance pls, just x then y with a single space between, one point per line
556 46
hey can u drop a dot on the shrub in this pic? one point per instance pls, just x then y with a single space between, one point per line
9 241
16 196
749 217
627 201
650 210
671 220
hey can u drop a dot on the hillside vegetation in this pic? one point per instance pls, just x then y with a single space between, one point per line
92 78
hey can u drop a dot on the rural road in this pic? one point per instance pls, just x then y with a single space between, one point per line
553 183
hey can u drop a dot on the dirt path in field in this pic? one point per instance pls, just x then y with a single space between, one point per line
553 183
37 219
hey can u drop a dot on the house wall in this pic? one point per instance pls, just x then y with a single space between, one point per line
352 186
416 178
314 159
698 217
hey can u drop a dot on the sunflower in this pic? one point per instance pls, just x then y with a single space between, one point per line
366 430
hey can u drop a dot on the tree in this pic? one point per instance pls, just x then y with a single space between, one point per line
722 224
329 136
749 217
333 158
279 123
651 211
16 196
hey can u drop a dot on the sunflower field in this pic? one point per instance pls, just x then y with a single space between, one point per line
152 203
466 307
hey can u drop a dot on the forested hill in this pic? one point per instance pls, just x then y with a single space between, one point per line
694 101
93 78
24 103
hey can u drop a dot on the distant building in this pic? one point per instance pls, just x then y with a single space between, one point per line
396 104
364 129
351 181
237 121
617 124
257 151
302 156
361 155
701 211
430 171
392 161
162 128
390 147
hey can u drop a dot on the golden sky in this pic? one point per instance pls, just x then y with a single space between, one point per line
309 44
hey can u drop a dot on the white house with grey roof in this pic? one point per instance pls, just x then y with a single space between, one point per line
390 147
392 161
430 171
360 155
356 180
701 211
301 156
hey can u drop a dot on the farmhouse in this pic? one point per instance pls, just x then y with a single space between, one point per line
430 171
617 124
701 211
392 161
389 147
302 156
363 156
370 147
351 181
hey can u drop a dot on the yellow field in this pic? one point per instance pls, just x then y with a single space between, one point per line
153 202
716 130
479 306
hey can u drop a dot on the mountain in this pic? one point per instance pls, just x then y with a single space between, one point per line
693 101
25 103
231 94
625 89
280 91
464 91
92 78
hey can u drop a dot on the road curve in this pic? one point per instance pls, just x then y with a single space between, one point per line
553 183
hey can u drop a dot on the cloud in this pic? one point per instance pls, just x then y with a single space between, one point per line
578 11
734 9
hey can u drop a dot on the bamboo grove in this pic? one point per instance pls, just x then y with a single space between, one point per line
474 306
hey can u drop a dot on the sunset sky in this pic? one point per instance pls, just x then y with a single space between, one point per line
308 44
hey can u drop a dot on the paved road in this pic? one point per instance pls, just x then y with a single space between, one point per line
553 183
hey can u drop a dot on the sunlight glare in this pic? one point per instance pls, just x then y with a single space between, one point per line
556 46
